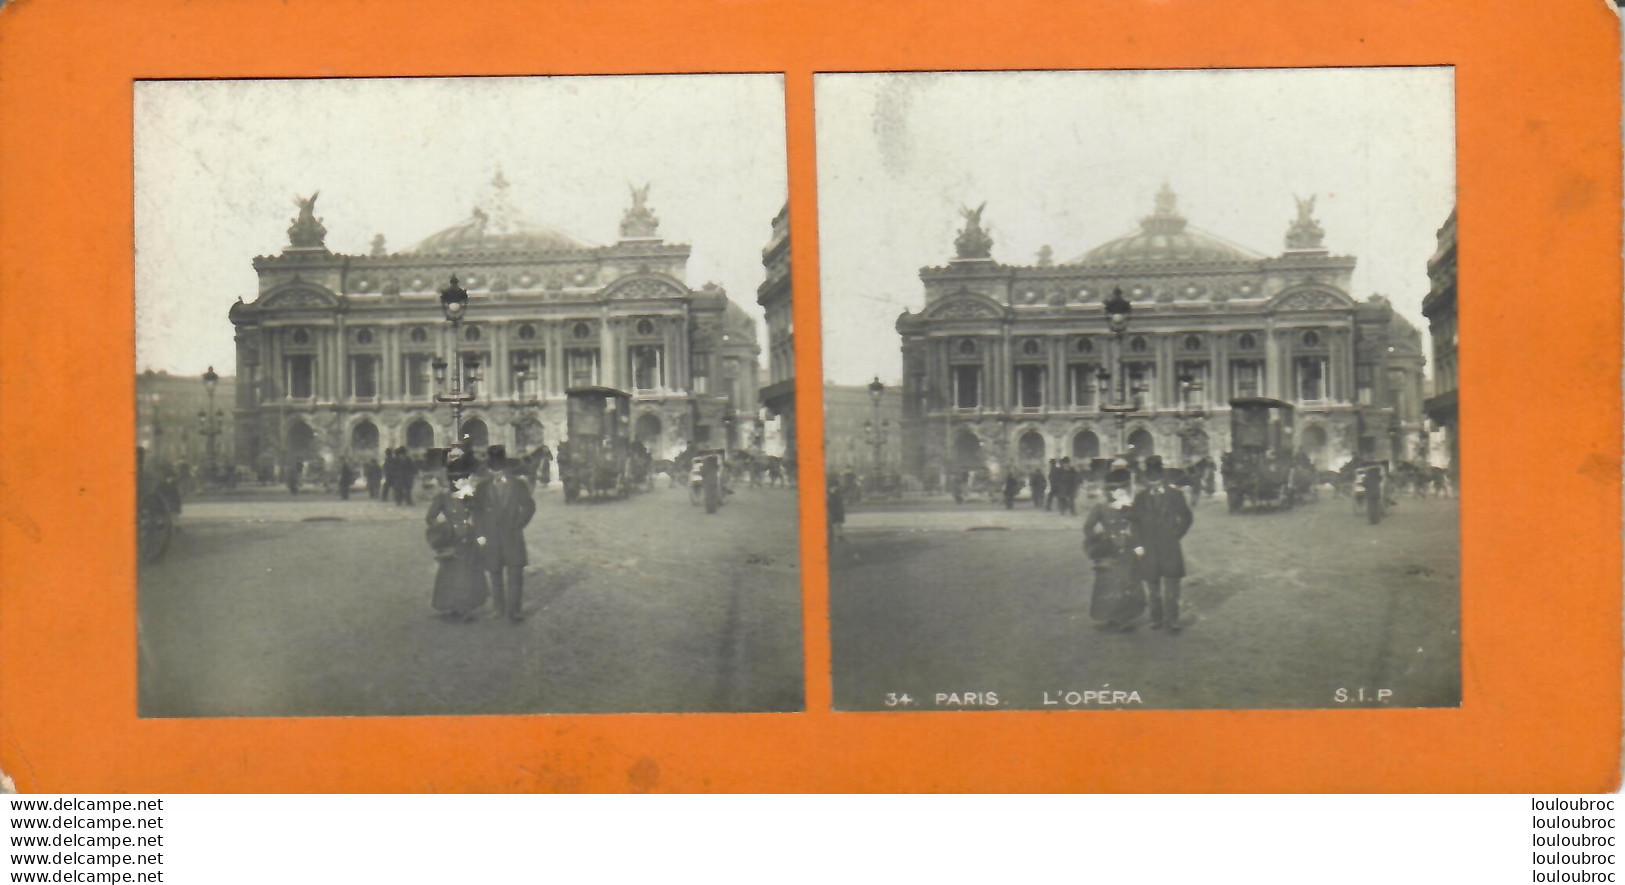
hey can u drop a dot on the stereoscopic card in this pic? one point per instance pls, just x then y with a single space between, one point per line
1142 390
449 397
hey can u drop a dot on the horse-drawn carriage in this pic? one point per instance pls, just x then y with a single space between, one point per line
595 460
1260 469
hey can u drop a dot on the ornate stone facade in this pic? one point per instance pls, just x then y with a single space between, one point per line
1440 308
1000 367
335 354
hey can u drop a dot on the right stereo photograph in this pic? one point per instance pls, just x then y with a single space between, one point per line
1140 389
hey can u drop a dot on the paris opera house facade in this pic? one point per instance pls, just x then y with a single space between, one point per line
336 355
1001 366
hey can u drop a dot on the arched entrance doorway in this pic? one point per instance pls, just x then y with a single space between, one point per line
1085 447
1193 446
1141 444
1313 443
419 435
301 441
364 439
1030 449
647 431
967 451
475 431
529 434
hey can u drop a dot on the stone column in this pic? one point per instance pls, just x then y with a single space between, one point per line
553 338
499 360
1272 362
1218 373
1167 394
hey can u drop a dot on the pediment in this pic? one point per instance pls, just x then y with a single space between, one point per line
965 306
1310 298
299 296
646 286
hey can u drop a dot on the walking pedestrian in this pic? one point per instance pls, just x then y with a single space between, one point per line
406 473
1012 488
346 479
459 582
1069 488
373 475
1161 518
1109 541
1036 480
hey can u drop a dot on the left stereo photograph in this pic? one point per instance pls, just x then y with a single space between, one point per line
464 396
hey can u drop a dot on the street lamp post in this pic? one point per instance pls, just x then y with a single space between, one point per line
1192 410
454 303
1120 399
209 424
876 430
157 428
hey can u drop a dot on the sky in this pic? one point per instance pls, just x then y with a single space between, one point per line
218 164
1073 159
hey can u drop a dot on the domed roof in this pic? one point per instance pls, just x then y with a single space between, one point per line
1164 236
496 225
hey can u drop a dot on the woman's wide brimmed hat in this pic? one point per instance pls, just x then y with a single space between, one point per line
1118 479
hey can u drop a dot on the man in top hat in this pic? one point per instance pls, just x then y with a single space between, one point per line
1038 484
502 507
1161 518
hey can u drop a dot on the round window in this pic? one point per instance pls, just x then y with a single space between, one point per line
1246 342
1138 345
1084 345
967 347
646 327
300 336
1192 342
1030 347
527 332
1311 339
580 330
472 333
364 336
419 336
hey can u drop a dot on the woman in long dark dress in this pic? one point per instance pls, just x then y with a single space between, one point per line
459 584
1108 539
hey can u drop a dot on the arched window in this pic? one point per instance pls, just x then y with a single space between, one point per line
1193 342
527 332
419 336
1246 342
1084 345
1030 448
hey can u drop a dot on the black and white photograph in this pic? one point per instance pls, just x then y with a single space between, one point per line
458 396
1140 388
